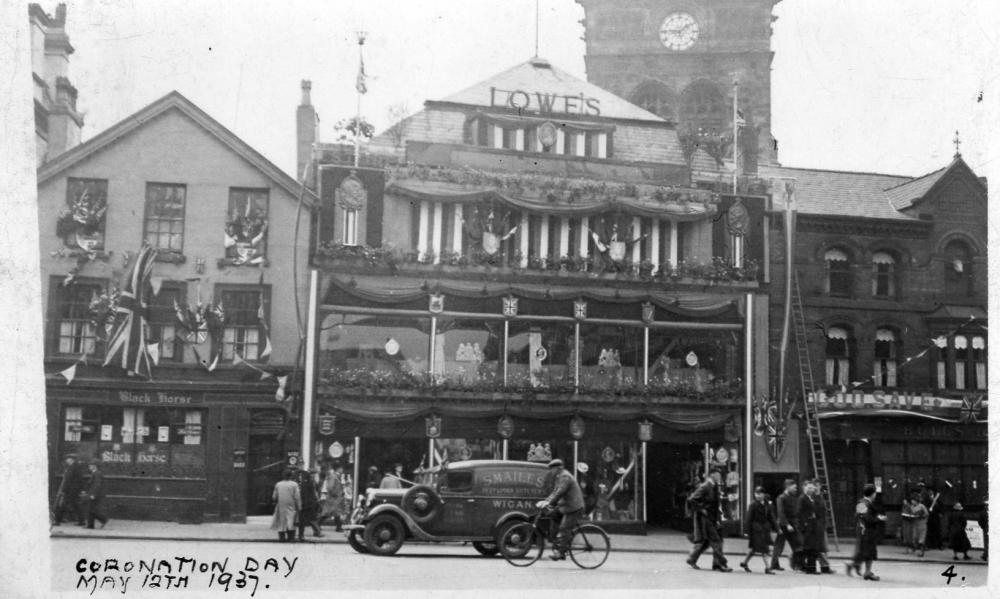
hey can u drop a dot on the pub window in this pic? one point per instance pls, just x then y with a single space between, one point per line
838 272
886 358
163 320
838 356
163 227
247 311
75 333
940 362
883 275
247 222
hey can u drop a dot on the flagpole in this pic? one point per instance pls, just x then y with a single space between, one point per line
736 133
310 370
359 84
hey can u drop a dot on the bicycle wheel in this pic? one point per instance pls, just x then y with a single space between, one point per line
520 544
589 547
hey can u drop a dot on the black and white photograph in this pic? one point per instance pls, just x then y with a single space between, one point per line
570 297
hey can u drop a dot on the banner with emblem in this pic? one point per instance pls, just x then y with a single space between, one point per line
354 188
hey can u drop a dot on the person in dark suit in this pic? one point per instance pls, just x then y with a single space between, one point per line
957 537
759 525
931 498
869 524
95 497
984 523
309 514
70 489
812 524
787 507
705 513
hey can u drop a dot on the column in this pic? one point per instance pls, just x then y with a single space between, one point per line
543 238
456 232
519 139
497 137
602 145
523 234
673 243
654 245
425 221
563 236
584 235
580 144
436 234
637 246
560 140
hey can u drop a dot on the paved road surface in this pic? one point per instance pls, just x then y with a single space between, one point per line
313 567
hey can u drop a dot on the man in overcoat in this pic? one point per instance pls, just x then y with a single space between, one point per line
567 497
705 513
812 523
95 497
787 507
68 497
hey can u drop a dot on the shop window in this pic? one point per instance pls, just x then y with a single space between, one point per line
163 227
541 354
612 482
75 332
163 320
883 275
886 358
368 350
838 356
957 268
610 357
838 273
247 310
468 352
141 442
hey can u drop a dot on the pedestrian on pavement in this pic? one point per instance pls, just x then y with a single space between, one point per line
812 523
566 497
919 529
333 496
957 537
70 490
906 526
95 497
310 505
393 480
985 525
705 514
824 563
869 521
374 479
932 499
787 527
759 524
287 503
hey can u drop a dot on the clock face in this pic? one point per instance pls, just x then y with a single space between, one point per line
679 31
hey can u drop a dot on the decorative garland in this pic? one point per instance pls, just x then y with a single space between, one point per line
244 233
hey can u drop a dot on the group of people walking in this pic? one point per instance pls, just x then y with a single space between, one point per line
308 498
800 522
80 494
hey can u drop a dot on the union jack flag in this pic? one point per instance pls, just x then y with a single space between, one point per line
128 344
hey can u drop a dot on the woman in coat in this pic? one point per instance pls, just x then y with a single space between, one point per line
759 524
812 523
957 537
906 526
287 503
869 522
333 496
310 505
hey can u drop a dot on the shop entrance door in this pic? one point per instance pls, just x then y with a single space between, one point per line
672 470
265 460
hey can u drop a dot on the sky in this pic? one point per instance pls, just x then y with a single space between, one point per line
856 85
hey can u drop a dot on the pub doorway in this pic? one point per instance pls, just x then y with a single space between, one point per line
265 459
672 471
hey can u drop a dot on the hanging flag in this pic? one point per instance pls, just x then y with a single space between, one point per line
127 344
237 359
263 320
267 346
264 375
362 83
156 283
740 121
154 352
69 373
208 366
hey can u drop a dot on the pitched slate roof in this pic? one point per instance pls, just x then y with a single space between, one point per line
175 101
538 75
840 193
904 195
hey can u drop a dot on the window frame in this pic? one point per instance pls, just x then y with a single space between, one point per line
231 252
886 367
834 362
220 345
57 292
884 276
178 345
163 252
845 272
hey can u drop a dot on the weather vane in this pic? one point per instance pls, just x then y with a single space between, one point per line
957 141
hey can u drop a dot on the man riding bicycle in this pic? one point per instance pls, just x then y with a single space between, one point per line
567 497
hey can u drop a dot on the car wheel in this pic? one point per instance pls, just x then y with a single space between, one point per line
356 540
422 504
384 535
487 549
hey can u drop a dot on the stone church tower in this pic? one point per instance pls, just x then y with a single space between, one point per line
679 58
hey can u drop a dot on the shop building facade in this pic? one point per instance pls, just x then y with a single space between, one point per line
200 437
893 282
526 272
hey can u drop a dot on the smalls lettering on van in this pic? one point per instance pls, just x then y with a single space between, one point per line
499 477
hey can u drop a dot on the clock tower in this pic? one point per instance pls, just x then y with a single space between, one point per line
680 58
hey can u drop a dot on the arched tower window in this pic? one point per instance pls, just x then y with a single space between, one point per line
656 98
703 106
883 275
958 267
838 272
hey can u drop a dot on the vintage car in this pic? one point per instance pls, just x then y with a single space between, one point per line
469 501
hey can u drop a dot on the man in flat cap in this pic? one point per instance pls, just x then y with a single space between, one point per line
567 497
68 497
788 527
705 514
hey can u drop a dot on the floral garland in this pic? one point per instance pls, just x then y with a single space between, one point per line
554 189
244 233
103 308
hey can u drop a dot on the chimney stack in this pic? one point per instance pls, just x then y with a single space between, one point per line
306 126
